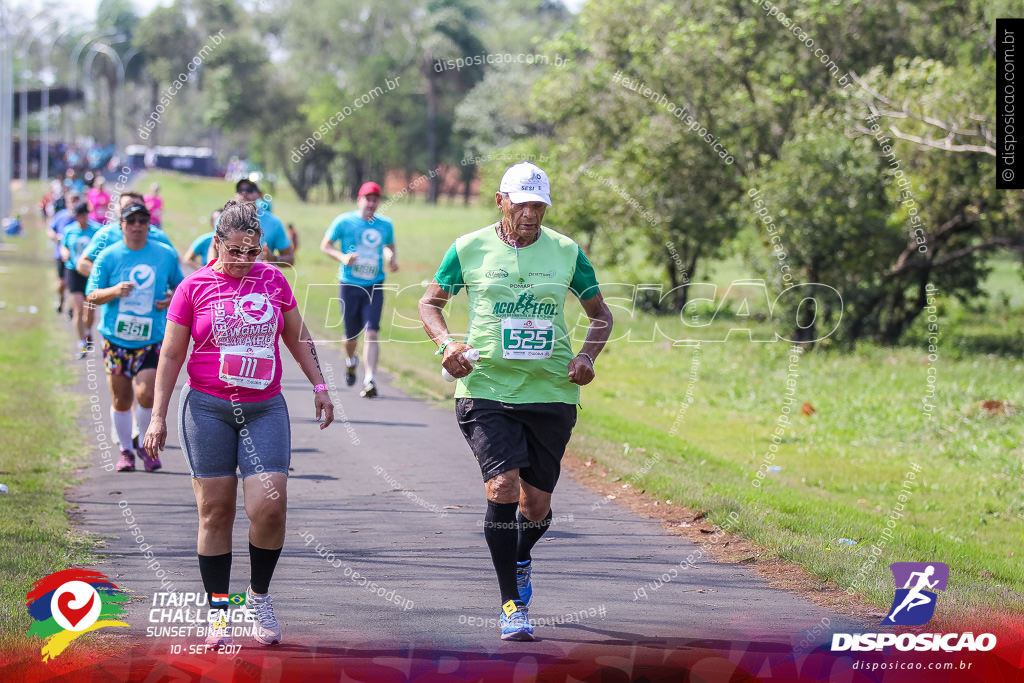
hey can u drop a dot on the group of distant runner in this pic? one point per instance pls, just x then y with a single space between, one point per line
516 403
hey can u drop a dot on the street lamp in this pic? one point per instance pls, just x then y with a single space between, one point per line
6 113
118 111
44 109
76 68
44 125
82 44
23 143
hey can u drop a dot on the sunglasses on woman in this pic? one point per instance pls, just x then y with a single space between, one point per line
247 253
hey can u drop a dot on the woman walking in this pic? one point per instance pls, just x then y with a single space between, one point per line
231 414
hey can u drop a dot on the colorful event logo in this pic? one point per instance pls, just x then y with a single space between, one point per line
914 603
68 603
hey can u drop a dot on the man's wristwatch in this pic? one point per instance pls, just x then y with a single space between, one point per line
440 349
588 357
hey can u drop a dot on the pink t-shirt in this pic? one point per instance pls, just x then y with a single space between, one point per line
156 208
99 201
236 325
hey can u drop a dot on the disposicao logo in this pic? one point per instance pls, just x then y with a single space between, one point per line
914 605
68 603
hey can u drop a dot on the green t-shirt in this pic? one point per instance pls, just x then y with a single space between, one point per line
516 313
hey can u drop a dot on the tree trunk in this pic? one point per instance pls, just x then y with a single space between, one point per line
807 319
679 281
432 158
112 92
154 100
328 178
356 175
297 183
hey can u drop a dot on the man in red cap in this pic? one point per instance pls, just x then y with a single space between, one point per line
366 242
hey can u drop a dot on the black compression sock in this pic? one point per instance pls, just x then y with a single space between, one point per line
262 563
216 573
501 535
529 534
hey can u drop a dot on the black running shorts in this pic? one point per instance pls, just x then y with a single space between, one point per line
530 437
74 281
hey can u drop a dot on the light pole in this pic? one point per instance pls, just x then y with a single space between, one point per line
82 44
44 124
23 157
7 112
77 70
6 93
118 111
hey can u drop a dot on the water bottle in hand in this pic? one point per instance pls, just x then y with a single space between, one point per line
470 354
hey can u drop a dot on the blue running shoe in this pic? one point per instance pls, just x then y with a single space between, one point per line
515 624
523 581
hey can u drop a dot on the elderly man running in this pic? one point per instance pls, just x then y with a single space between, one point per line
517 405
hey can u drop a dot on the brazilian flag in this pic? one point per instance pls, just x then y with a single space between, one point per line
237 599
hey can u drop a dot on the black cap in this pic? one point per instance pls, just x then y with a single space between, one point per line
245 181
133 209
81 207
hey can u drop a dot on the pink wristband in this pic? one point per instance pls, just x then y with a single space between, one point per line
319 387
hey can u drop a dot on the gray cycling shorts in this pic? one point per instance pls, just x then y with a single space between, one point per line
219 437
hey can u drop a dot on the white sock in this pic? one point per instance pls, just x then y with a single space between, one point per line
123 427
142 418
368 378
351 362
113 427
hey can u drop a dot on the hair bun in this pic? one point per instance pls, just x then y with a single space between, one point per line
238 216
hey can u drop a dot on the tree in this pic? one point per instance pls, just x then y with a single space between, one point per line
826 197
632 121
627 126
168 43
446 35
963 218
117 15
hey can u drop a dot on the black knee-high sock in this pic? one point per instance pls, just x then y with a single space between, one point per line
529 534
501 535
216 573
262 563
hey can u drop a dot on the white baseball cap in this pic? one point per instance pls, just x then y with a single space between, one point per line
526 182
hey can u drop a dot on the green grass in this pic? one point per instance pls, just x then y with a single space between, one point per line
41 446
841 468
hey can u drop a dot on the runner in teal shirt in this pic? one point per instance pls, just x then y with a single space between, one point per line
367 241
199 249
131 320
131 282
75 239
277 247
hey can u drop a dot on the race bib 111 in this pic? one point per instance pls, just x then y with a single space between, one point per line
251 367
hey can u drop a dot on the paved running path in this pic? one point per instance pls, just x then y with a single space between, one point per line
376 506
